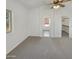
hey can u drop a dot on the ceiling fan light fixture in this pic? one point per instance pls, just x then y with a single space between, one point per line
60 0
56 6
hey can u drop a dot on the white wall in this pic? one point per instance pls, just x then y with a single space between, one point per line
20 23
58 13
37 14
67 11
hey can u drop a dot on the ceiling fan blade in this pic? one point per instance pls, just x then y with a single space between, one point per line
61 5
55 2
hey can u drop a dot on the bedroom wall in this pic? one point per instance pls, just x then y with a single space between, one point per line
20 23
37 14
67 11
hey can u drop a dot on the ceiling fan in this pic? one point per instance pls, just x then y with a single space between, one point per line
58 3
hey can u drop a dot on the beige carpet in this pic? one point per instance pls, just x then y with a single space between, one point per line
43 48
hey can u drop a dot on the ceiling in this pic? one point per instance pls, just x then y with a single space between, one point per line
34 3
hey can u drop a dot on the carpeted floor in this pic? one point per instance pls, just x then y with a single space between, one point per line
43 48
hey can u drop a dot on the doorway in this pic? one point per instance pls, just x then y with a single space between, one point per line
65 26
